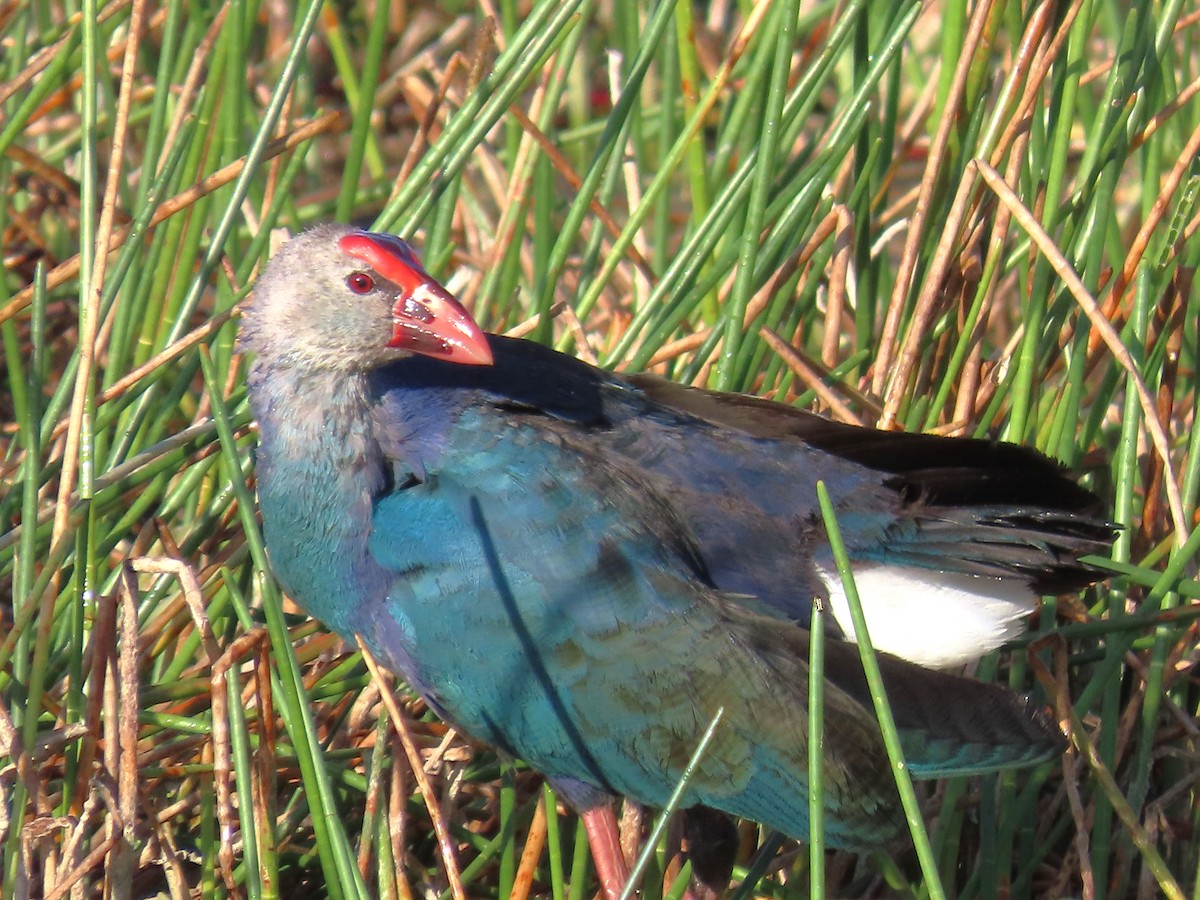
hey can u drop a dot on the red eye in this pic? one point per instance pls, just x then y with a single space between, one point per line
360 283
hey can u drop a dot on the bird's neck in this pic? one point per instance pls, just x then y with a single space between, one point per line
319 469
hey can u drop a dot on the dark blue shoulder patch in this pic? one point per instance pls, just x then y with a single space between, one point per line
524 376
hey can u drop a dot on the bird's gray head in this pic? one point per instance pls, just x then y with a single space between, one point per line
335 297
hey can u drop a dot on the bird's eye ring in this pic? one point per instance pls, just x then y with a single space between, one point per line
360 282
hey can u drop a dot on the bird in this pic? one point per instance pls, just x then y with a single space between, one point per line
581 568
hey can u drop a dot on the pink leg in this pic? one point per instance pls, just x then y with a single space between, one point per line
605 841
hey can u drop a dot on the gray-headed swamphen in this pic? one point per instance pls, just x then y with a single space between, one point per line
579 568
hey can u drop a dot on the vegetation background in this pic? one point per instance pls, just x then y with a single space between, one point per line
970 218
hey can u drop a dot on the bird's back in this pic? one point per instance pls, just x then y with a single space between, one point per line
553 597
929 520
